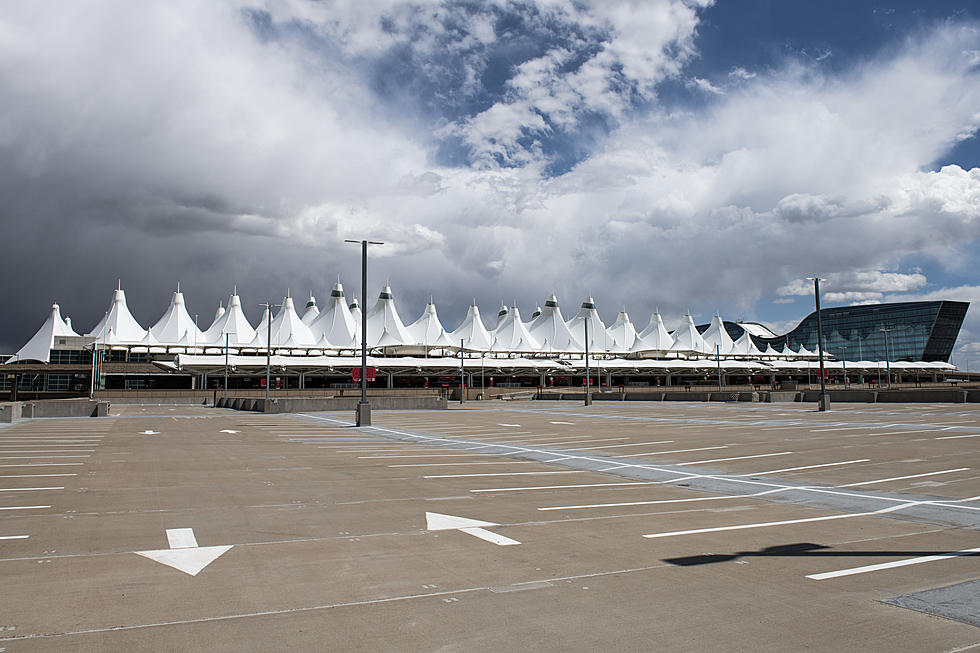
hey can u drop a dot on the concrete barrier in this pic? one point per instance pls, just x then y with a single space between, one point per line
780 397
927 396
687 396
734 396
313 404
645 396
9 412
973 396
842 396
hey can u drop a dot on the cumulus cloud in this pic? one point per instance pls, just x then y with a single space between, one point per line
224 143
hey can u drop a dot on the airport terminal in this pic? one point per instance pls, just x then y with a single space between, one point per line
318 347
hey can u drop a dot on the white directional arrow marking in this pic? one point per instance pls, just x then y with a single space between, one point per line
228 431
184 553
149 432
435 521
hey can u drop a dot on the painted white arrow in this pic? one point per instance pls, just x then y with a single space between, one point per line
184 553
228 431
149 432
435 521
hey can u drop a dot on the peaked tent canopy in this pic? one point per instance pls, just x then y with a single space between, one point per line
428 330
472 332
655 337
512 335
716 337
744 346
119 321
335 325
687 338
383 323
599 340
233 323
549 329
176 326
311 311
622 332
38 348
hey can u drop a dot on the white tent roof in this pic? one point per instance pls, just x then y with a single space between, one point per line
717 336
39 347
383 323
217 315
622 332
770 351
599 340
654 337
118 320
501 313
472 332
311 311
355 312
288 329
428 330
549 329
335 326
233 322
512 335
176 325
688 338
534 317
744 346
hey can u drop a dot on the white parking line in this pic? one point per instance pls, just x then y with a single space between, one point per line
44 457
562 487
891 565
616 446
500 462
42 451
427 455
23 507
34 475
902 478
40 464
719 460
660 453
14 537
796 469
567 471
739 527
29 489
957 437
659 501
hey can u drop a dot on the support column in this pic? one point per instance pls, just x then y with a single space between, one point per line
391 380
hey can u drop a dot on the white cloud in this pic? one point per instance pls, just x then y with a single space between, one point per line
705 86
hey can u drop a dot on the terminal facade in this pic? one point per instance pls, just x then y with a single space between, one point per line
314 348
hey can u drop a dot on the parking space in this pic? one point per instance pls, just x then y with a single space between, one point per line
535 525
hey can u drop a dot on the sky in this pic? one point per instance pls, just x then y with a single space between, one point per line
672 155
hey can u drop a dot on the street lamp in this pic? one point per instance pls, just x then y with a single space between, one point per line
588 379
822 403
268 346
843 363
888 364
363 414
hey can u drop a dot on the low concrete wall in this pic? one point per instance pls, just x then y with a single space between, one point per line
973 396
300 405
9 412
780 397
644 396
847 396
930 396
734 396
687 396
150 400
53 408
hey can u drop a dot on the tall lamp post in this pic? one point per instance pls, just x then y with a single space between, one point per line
843 363
888 363
588 375
268 346
363 415
823 402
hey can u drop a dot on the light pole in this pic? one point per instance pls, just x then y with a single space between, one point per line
843 363
462 373
268 347
226 366
822 403
888 364
363 414
588 376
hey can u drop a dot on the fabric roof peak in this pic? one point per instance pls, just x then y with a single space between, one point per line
38 348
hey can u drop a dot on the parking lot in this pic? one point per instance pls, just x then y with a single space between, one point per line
544 526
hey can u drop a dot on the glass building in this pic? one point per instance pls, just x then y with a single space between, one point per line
914 331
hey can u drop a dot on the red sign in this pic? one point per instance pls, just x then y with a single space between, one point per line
356 374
